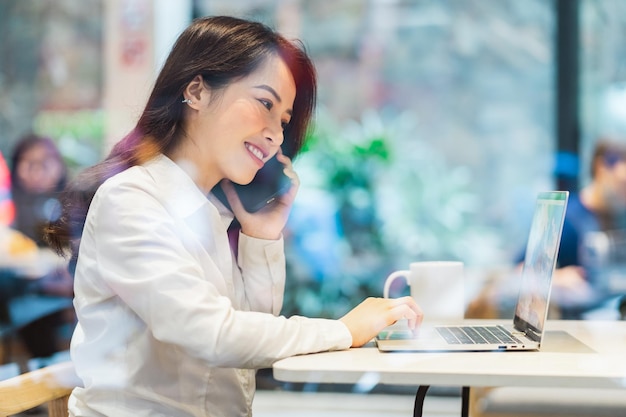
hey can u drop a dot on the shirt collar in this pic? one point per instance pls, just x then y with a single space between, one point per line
183 195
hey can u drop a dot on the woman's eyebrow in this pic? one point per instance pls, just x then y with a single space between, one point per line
272 92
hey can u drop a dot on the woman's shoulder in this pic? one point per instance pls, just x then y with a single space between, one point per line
127 186
138 175
134 174
160 180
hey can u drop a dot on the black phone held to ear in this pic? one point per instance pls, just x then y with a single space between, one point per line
269 183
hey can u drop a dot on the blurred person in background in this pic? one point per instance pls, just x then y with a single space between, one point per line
171 319
594 235
38 174
592 252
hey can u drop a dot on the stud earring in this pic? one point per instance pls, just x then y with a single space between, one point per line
187 101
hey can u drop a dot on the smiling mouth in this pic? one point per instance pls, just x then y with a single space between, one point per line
255 151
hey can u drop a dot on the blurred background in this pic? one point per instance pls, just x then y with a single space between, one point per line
438 120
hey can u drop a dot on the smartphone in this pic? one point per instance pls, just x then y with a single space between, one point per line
269 183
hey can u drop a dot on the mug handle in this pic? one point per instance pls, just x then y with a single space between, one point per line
391 278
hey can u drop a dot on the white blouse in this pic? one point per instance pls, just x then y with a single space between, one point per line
169 322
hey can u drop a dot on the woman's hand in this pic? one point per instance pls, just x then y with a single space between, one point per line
269 222
367 319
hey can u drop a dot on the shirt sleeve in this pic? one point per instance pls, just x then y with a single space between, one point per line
142 255
263 291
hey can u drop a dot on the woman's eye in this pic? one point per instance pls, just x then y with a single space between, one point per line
284 124
266 103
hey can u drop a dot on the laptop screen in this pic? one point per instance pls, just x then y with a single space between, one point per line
539 262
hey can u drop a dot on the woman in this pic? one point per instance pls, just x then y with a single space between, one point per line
171 321
38 175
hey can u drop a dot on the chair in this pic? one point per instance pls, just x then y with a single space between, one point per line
49 386
17 313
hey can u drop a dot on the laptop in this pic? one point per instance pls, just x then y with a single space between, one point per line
531 309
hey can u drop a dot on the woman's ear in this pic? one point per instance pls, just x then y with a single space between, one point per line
195 91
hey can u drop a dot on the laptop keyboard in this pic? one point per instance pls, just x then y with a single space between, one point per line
476 335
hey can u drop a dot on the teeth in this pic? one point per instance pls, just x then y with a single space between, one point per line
255 151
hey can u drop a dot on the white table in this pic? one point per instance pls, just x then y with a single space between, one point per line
580 354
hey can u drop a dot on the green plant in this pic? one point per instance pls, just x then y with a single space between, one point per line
374 197
341 163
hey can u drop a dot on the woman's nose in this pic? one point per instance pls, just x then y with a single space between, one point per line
274 133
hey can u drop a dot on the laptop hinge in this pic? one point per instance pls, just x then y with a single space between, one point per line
532 335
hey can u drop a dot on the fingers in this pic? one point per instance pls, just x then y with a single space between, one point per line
289 170
408 302
368 318
407 308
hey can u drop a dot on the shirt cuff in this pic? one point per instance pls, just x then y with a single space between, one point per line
260 251
341 337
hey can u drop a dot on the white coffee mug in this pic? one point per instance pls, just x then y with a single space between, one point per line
436 286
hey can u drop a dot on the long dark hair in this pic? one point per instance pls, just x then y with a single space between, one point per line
221 49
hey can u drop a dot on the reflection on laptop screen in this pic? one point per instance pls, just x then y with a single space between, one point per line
540 260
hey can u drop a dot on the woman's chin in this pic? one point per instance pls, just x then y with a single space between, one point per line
244 180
